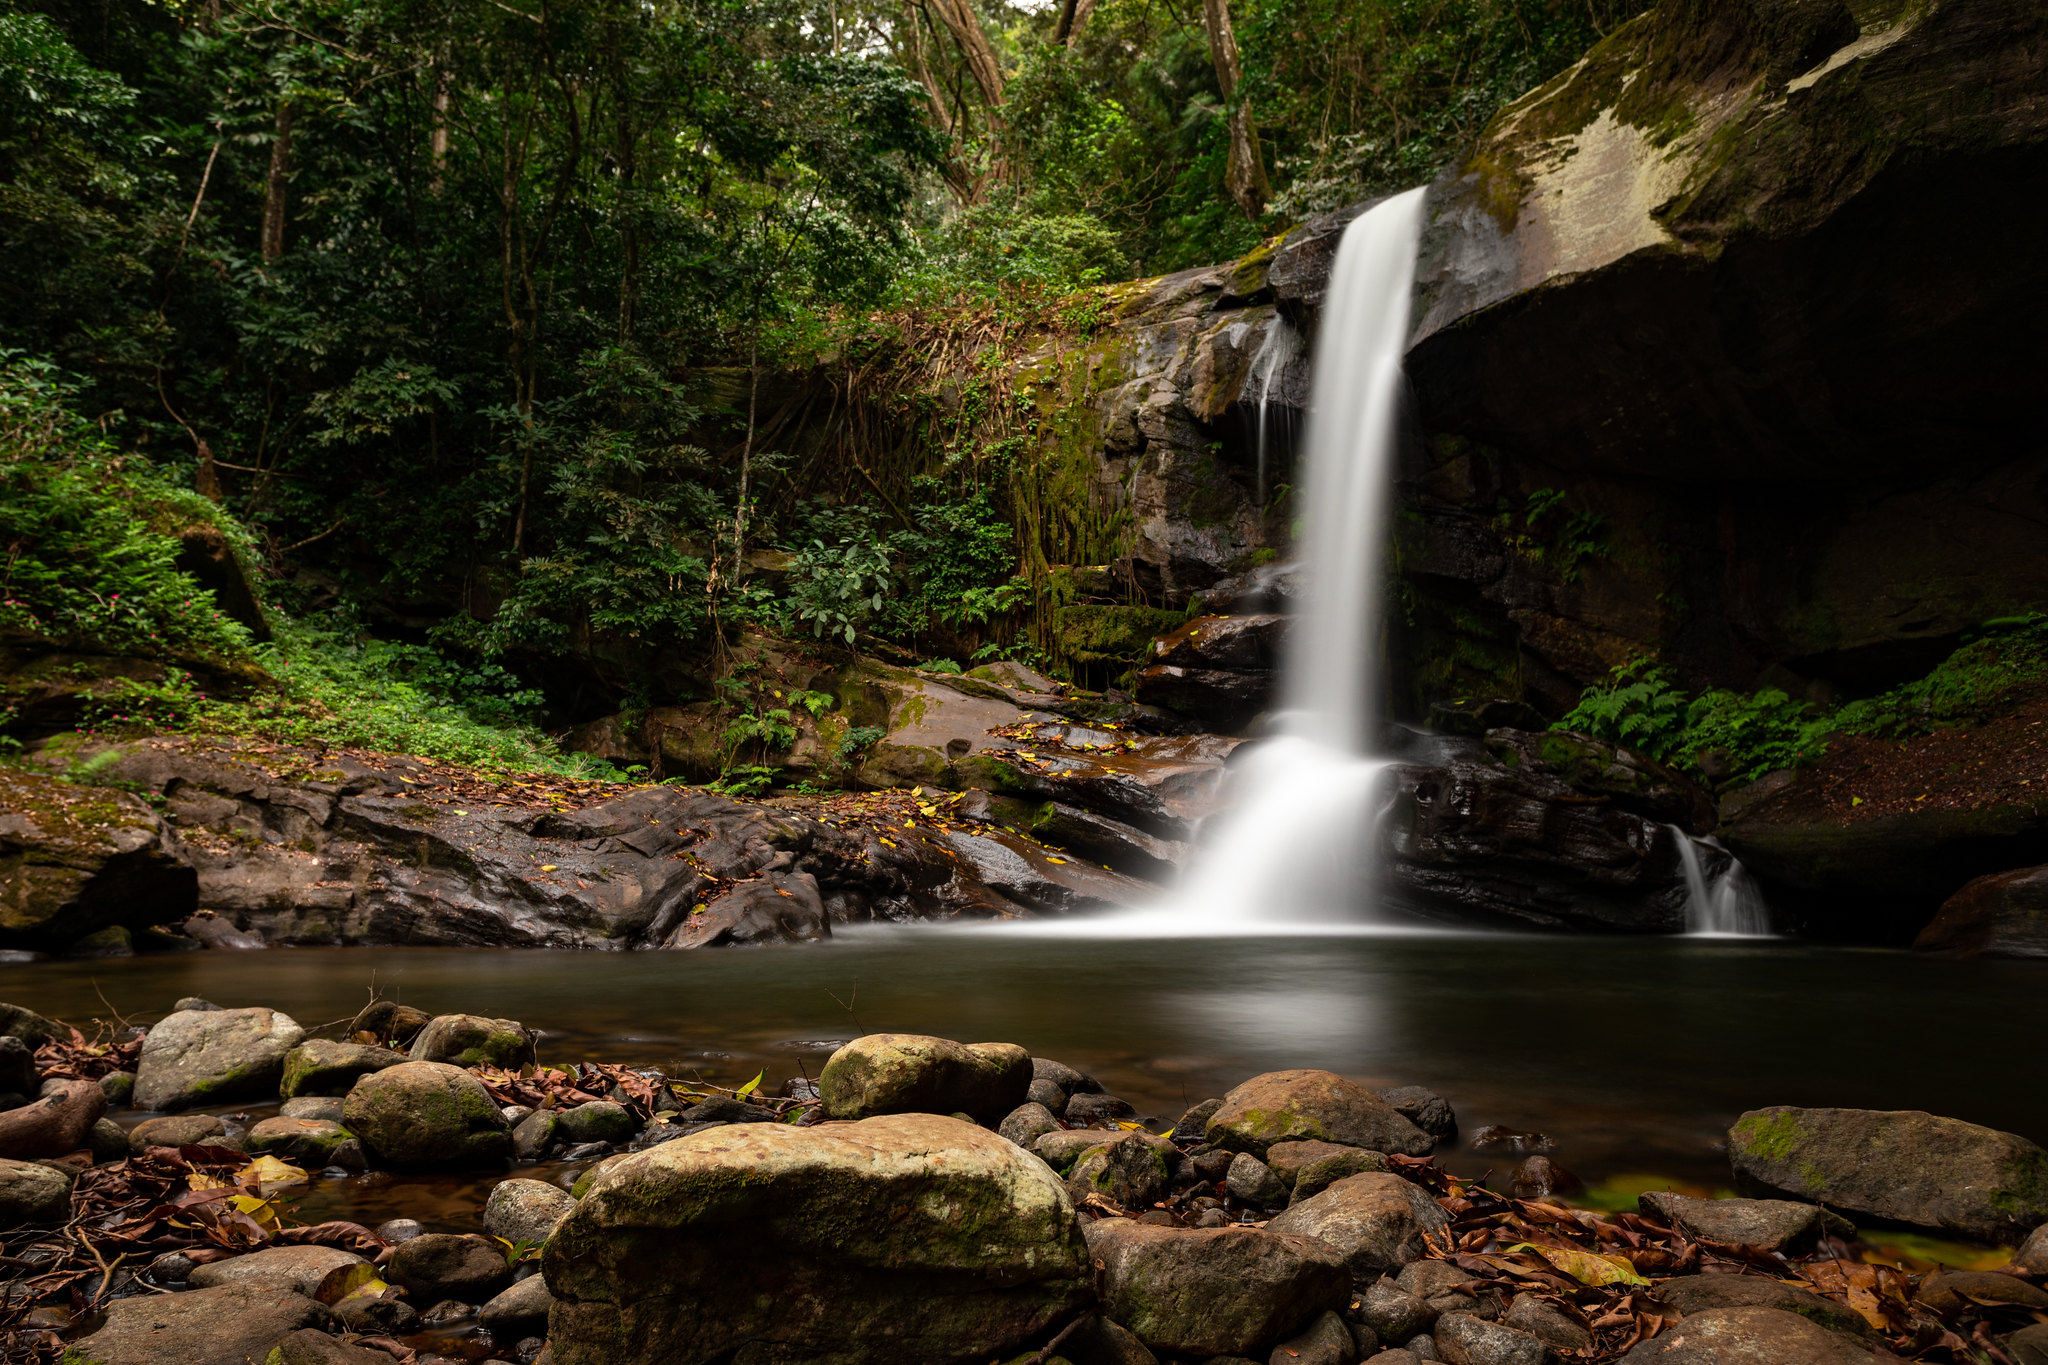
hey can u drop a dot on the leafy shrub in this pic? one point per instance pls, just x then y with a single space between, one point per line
87 534
1754 733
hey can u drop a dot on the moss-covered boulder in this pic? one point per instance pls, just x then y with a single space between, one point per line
909 1073
902 1240
307 1142
1606 770
1289 1106
82 860
1130 1170
472 1040
229 1324
320 1067
1213 1291
1896 1166
206 1056
427 1114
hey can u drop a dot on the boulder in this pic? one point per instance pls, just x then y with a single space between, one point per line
310 1347
519 1311
2033 1253
307 1142
1951 1291
908 1073
31 1193
293 1267
1252 1181
82 859
427 1114
1551 1326
1394 1313
119 1087
29 1028
1308 1168
107 1140
179 1130
596 1121
904 1238
445 1265
1328 1341
206 1056
1463 1339
472 1040
1375 1221
312 1107
1748 1336
1213 1291
535 1135
2002 915
1768 1224
1027 1123
1424 1108
1194 1124
526 1210
55 1125
230 1324
2029 1345
1284 1106
1690 1294
1097 1109
1131 1170
320 1067
1898 1166
389 1022
1063 1148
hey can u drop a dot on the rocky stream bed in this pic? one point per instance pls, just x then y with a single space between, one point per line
924 1200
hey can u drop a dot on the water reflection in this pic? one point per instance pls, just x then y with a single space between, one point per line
1633 1054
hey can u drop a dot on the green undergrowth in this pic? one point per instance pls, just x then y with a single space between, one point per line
90 539
1739 736
344 690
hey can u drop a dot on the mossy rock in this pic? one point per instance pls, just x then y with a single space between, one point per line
320 1067
1112 635
1902 1167
905 1073
424 1115
472 1040
900 1238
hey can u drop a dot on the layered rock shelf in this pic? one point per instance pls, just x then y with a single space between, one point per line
928 1202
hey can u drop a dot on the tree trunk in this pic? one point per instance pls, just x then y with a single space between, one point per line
274 187
1246 177
960 20
437 140
1073 15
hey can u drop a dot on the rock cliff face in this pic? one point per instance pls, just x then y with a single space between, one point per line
1726 341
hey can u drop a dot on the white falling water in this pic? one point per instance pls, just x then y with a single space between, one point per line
1726 903
1297 844
1271 359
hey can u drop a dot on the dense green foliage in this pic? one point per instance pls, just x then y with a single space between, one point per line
1740 736
468 318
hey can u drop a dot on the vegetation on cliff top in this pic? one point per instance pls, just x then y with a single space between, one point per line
1725 736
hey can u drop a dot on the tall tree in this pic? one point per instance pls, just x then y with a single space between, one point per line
1245 179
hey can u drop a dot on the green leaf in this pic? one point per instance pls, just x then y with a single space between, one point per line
751 1086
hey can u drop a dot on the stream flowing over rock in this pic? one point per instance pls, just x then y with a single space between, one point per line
892 1241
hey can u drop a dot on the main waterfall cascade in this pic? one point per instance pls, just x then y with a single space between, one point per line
1296 845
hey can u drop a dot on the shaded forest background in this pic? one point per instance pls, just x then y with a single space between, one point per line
458 319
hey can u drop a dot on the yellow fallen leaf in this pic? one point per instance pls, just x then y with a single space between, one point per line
547 867
1584 1266
890 842
266 1168
1049 858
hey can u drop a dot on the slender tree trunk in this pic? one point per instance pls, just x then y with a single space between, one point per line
1245 178
1073 15
274 186
437 139
739 516
960 20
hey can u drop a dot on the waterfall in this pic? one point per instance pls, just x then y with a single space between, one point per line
1276 349
1297 843
1726 904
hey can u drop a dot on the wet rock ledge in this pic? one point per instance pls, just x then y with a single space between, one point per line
928 1202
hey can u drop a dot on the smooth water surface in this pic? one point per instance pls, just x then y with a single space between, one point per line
1633 1055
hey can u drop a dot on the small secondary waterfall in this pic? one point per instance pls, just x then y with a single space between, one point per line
1724 904
1297 843
1274 352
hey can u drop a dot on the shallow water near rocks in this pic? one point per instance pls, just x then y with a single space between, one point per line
1632 1055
